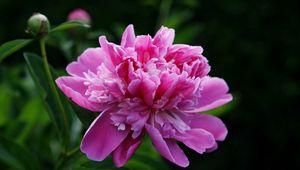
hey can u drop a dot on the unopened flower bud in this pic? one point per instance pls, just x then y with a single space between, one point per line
79 15
38 25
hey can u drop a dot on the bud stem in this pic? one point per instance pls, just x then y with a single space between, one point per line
53 87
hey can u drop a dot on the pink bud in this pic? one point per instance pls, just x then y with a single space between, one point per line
79 15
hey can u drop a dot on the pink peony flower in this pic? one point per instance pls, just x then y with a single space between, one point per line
79 14
146 85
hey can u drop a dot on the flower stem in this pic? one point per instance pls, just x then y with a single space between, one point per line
73 151
53 87
163 14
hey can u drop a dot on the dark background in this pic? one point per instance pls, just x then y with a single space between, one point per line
253 45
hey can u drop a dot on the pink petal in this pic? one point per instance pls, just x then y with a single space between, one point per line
128 37
189 59
79 14
113 51
215 147
213 94
148 90
167 147
209 123
102 137
145 49
125 150
74 88
163 39
134 87
197 139
90 59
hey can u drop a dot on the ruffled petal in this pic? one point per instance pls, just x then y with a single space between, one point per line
163 39
89 60
189 59
125 150
128 37
102 137
145 49
113 51
167 147
74 89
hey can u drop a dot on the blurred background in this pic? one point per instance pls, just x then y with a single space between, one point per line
253 45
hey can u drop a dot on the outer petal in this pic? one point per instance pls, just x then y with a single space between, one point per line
90 59
167 147
74 88
102 137
214 93
197 139
209 123
128 37
125 150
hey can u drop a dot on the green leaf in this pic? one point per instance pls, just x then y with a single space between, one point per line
79 161
32 113
6 101
70 25
39 76
146 158
85 116
16 157
10 47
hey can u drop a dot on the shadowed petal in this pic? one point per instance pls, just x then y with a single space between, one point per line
102 137
167 147
125 150
148 90
74 89
128 37
209 123
197 139
213 148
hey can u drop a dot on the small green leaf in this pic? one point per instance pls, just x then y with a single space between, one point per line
10 47
79 161
69 25
16 157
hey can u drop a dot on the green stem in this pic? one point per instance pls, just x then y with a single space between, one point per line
66 156
164 10
53 87
73 151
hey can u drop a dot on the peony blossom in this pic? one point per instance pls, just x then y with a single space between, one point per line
146 86
80 15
